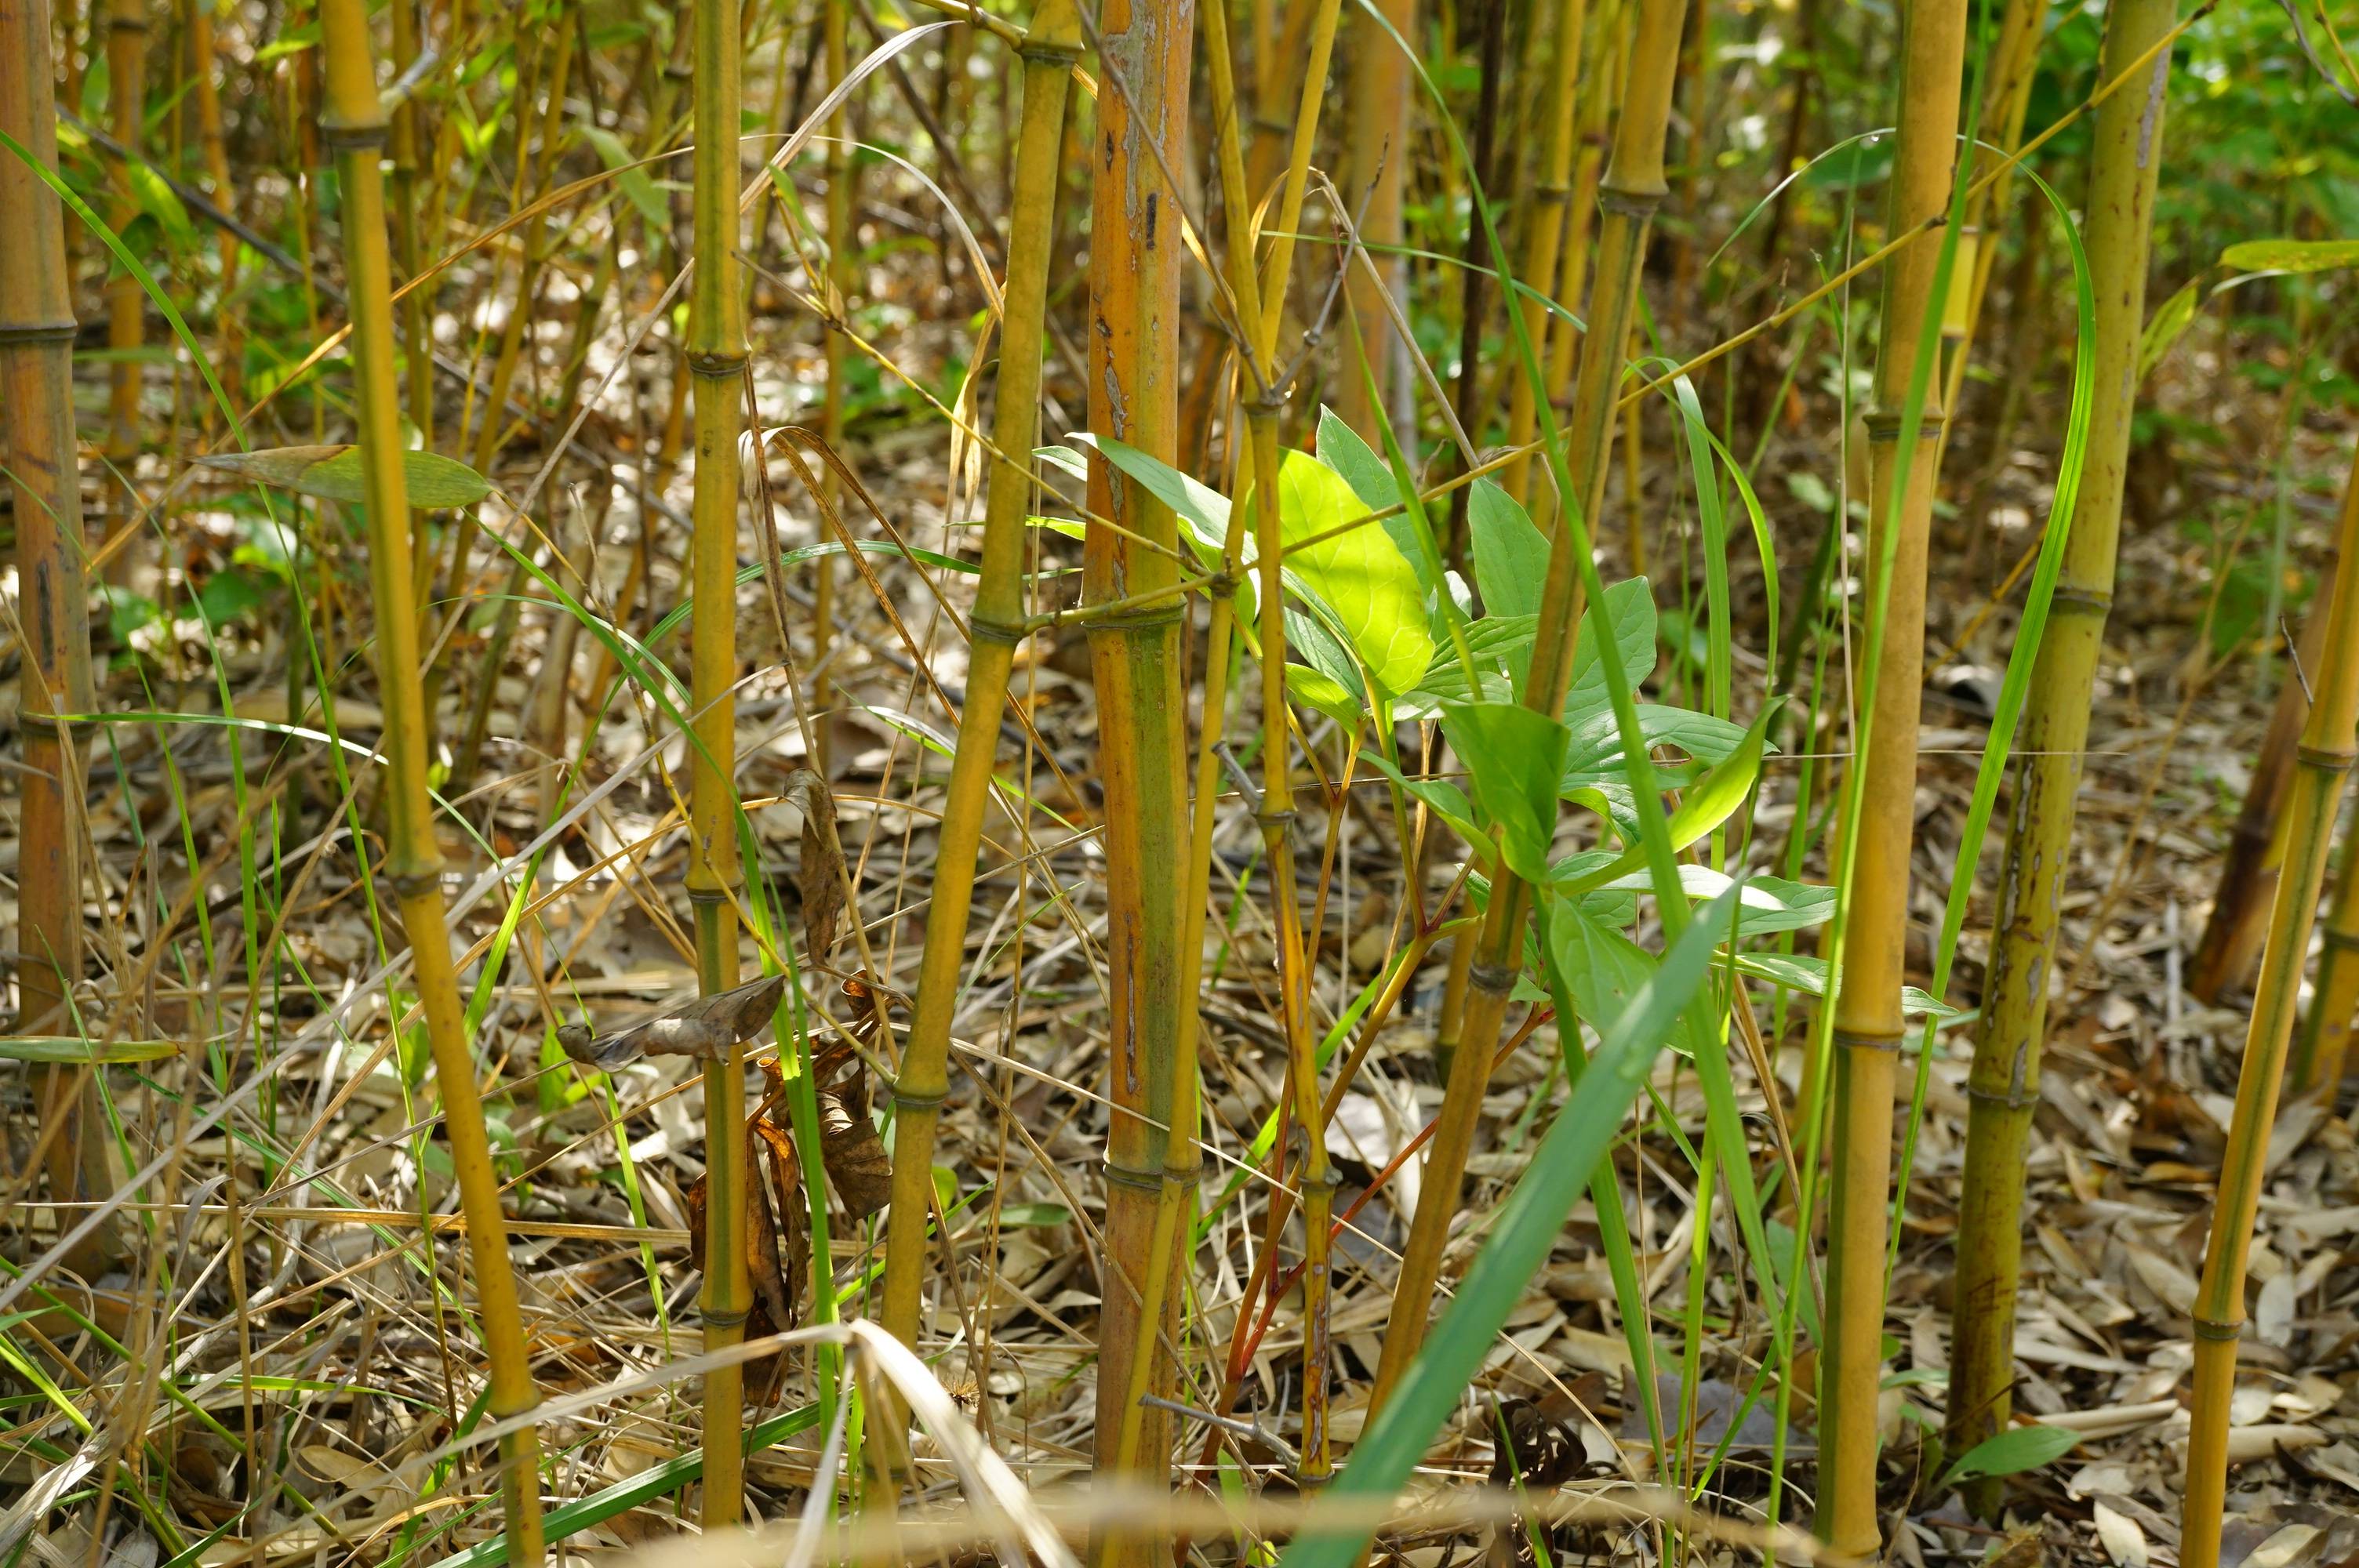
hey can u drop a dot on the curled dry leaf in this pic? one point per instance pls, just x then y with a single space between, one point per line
703 1027
821 874
854 1155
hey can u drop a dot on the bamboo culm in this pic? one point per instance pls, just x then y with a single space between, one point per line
2002 1085
1050 49
1133 352
1867 1020
2322 768
1628 195
716 363
354 122
36 437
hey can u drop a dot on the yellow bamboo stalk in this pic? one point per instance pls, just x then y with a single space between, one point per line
2003 1085
1050 49
354 121
1868 1023
205 63
1544 236
2248 874
840 243
2322 769
2325 1036
1608 41
716 363
1628 196
37 438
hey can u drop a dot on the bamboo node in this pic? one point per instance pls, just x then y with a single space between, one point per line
38 332
1275 821
1125 1176
2010 1099
904 1100
407 885
1630 201
1885 428
2329 759
2346 940
729 363
1182 1176
1060 53
1869 1039
2220 1332
1549 194
1142 617
353 135
1495 979
726 1317
2098 601
1008 633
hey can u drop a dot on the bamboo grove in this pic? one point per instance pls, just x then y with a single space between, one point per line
1416 779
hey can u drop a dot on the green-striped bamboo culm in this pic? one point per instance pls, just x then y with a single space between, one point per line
2004 1084
354 121
1867 1024
716 364
2322 769
1628 194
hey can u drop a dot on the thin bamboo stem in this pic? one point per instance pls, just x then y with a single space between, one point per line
1050 49
2322 769
2248 874
840 242
1132 345
354 121
127 303
716 363
1868 1021
2003 1086
2325 1037
204 63
1628 196
36 432
1544 237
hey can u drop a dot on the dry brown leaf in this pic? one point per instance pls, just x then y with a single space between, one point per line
820 872
854 1155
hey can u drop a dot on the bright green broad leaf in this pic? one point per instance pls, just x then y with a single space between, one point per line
1517 759
1630 606
1768 905
1341 448
1706 803
1359 573
1603 969
1511 555
2291 255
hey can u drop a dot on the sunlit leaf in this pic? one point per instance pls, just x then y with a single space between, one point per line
1360 573
333 474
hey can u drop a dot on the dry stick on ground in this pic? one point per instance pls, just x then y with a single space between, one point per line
1133 343
2249 875
1050 50
354 121
716 360
2322 769
1868 1021
2003 1086
1628 195
37 433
